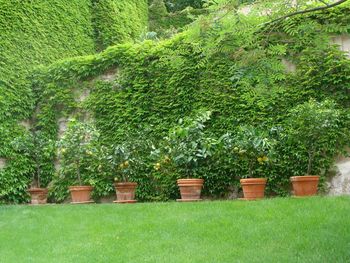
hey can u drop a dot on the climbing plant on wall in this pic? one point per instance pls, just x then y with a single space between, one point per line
226 65
38 33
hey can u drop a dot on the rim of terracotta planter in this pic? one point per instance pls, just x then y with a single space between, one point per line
190 181
80 188
305 178
37 190
125 184
248 181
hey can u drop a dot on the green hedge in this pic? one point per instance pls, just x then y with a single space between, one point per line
118 21
158 83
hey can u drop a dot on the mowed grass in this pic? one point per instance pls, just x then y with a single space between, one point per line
274 230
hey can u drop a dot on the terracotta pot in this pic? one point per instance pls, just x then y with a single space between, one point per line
38 195
81 194
305 185
253 188
190 189
125 192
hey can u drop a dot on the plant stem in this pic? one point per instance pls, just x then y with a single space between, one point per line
78 172
250 168
309 165
38 174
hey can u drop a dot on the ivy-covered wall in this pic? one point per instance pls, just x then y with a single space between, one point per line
150 85
38 32
119 21
32 33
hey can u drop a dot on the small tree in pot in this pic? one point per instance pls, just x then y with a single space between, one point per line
252 147
317 129
38 148
76 151
124 164
187 147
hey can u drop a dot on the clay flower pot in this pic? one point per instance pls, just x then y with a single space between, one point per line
305 185
125 192
253 188
81 194
38 195
190 189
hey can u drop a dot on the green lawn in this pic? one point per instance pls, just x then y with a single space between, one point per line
275 230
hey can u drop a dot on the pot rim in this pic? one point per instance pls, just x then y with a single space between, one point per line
37 190
253 181
190 182
80 188
185 180
125 184
302 178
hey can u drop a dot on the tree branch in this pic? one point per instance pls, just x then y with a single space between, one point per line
307 11
324 2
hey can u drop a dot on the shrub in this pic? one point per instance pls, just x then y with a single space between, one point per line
36 146
186 145
124 161
77 149
316 128
250 147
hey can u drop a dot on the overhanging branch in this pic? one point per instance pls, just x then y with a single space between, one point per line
307 11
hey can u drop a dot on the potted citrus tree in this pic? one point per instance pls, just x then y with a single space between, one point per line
187 148
37 147
124 164
76 149
252 146
315 128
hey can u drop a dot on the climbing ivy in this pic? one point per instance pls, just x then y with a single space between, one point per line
37 33
238 75
119 21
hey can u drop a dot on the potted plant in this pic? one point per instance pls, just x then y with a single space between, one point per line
315 128
37 147
187 147
252 146
76 149
124 164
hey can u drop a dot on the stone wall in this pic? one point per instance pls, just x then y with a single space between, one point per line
339 184
2 163
343 41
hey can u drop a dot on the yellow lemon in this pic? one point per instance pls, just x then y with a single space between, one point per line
126 164
166 159
157 166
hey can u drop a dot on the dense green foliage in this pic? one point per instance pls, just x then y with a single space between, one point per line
316 127
32 33
167 23
119 21
186 147
41 32
156 84
177 5
77 150
38 33
230 66
276 230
